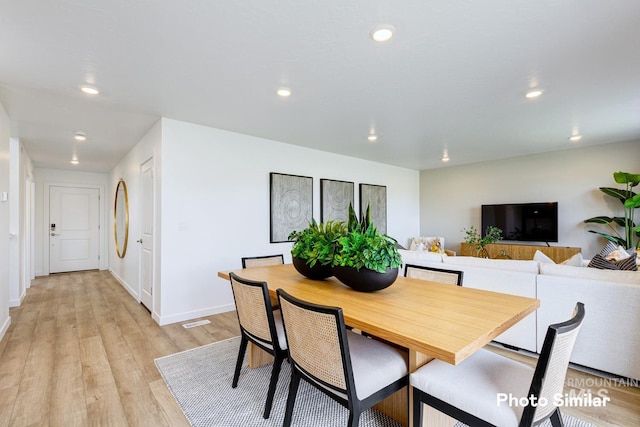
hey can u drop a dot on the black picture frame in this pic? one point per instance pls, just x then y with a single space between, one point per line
291 205
376 197
335 197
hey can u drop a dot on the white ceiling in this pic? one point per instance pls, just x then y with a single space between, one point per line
453 76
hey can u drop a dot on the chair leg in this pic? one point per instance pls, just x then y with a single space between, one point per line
354 418
275 372
418 408
291 400
556 419
241 352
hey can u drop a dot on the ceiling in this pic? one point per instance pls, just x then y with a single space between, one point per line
452 78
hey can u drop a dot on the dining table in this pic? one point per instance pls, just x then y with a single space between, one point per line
429 320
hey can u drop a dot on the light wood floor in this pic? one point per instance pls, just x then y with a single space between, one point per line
80 352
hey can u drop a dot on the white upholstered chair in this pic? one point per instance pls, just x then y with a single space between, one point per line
488 389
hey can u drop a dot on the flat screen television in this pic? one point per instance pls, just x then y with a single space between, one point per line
527 222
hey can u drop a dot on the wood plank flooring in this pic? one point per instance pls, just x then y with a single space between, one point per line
80 352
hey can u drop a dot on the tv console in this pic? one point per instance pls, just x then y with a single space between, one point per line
517 251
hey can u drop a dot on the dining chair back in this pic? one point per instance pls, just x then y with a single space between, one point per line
432 274
262 261
352 369
261 325
488 389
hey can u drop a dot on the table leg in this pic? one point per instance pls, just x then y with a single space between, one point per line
431 417
258 357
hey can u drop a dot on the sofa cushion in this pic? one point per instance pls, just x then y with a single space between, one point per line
609 338
525 266
416 257
618 276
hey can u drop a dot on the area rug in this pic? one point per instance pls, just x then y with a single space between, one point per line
200 381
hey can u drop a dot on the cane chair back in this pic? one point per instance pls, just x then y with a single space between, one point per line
432 274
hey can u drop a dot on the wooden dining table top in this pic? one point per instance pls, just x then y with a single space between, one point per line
442 321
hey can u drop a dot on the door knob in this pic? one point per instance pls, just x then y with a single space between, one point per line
54 234
139 241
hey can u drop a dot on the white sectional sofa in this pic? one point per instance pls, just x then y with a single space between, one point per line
610 336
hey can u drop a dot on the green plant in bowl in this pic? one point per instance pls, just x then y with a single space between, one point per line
314 248
366 260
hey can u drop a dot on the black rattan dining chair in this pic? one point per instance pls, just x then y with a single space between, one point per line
262 261
354 370
481 391
451 277
261 325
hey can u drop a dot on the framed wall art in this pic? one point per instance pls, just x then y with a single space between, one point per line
291 204
375 196
335 197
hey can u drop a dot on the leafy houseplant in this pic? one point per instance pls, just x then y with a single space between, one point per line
314 248
630 202
491 235
365 259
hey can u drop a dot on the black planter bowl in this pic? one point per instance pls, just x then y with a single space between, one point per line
317 272
365 280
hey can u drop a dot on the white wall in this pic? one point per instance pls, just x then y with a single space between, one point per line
450 198
5 320
126 269
215 207
46 177
21 174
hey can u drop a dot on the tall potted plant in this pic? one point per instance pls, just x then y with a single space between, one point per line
630 202
314 248
366 260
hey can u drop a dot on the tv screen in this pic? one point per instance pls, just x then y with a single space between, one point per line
528 222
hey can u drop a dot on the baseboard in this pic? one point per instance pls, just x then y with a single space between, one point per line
5 327
190 315
125 285
17 302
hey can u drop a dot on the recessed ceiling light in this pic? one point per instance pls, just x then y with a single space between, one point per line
445 155
382 33
80 136
445 159
575 138
533 93
89 90
372 138
284 92
74 162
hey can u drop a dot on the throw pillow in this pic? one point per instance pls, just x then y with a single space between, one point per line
575 260
600 262
541 257
608 248
619 254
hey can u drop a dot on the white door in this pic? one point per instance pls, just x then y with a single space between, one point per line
74 229
146 237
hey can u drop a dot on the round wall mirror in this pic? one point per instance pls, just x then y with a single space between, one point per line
121 218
